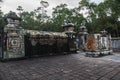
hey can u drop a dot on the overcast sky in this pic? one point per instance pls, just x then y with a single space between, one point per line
29 5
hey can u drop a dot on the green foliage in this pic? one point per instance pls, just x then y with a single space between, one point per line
105 15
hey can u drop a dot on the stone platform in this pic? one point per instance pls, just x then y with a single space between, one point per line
63 67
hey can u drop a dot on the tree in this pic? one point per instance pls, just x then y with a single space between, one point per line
20 9
90 15
108 15
2 23
99 16
28 20
60 13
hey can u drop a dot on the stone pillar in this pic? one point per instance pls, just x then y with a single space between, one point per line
81 37
13 38
69 31
105 40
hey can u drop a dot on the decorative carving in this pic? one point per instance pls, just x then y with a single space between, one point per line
12 19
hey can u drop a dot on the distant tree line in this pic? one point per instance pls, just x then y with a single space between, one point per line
105 15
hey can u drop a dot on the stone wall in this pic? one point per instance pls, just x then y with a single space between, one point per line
116 44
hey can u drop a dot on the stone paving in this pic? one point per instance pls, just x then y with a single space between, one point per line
62 67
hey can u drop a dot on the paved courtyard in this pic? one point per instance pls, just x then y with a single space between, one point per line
62 67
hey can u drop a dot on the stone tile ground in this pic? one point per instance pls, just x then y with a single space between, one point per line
62 67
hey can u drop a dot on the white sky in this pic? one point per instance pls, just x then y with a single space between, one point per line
29 5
